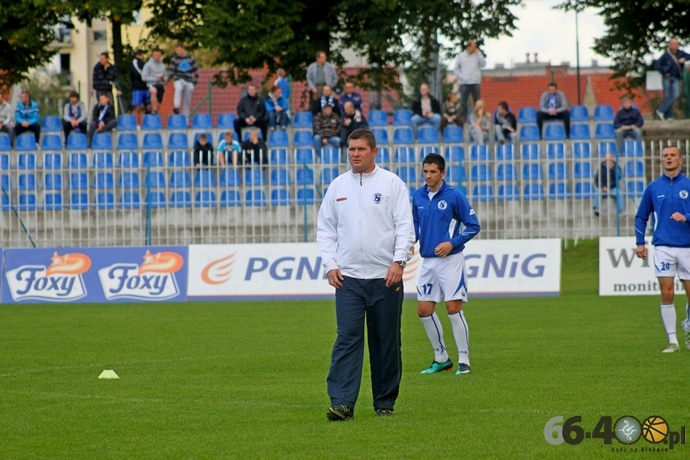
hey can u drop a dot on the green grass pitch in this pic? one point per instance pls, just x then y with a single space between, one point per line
247 380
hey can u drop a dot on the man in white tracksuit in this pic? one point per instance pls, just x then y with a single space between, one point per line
365 234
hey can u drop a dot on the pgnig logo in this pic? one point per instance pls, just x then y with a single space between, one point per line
627 430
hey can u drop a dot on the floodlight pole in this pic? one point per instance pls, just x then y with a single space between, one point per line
577 57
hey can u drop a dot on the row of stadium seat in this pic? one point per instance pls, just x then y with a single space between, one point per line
557 191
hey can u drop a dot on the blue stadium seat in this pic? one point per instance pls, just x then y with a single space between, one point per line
254 177
5 144
533 191
427 135
506 172
129 179
52 201
52 181
558 170
402 117
559 191
555 151
202 121
381 135
527 115
152 123
51 142
105 200
327 175
126 122
412 190
255 197
633 149
5 182
4 162
479 153
508 192
51 124
278 138
634 168
584 190
329 155
278 156
455 154
156 200
554 132
280 176
103 160
27 202
102 141
605 147
582 150
204 178
77 161
481 172
604 131
580 131
504 152
532 171
304 156
404 155
52 161
25 142
128 160
178 141
230 178
305 176
303 139
152 141
603 113
403 136
180 199
79 201
26 181
305 196
426 150
230 198
453 135
456 174
483 192
179 158
280 197
378 118
529 133
530 152
153 159
582 170
303 120
26 161
180 179
130 200
76 141
127 141
226 121
407 173
578 113
205 199
384 156
634 188
103 180
177 122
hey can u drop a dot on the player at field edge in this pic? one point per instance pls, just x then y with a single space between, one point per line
438 210
365 235
668 197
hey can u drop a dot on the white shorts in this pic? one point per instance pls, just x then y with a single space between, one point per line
443 278
670 262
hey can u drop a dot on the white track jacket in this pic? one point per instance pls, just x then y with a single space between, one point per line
365 224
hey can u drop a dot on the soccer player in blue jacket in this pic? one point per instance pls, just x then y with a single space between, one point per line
438 211
668 197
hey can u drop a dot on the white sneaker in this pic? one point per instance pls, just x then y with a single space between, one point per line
660 115
672 348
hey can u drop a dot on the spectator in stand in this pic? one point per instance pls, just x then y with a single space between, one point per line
251 111
185 75
283 83
606 178
103 118
203 152
505 124
627 123
327 98
352 120
228 150
255 150
155 75
74 116
425 110
105 77
6 119
553 106
140 90
452 112
671 65
319 74
27 116
480 123
326 129
468 67
349 95
277 109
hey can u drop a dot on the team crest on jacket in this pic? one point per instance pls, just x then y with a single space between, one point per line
377 198
442 205
683 194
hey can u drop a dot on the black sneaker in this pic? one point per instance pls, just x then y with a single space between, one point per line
339 413
176 111
463 369
384 412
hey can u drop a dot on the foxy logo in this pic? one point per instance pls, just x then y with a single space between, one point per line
154 279
61 281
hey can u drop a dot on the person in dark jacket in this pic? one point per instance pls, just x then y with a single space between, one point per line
671 65
606 179
627 123
140 90
426 110
105 76
255 150
103 118
352 120
203 152
251 111
505 124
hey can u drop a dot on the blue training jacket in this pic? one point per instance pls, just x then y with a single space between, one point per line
438 220
663 197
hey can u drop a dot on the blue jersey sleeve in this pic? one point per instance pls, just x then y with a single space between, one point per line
642 216
468 218
415 217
